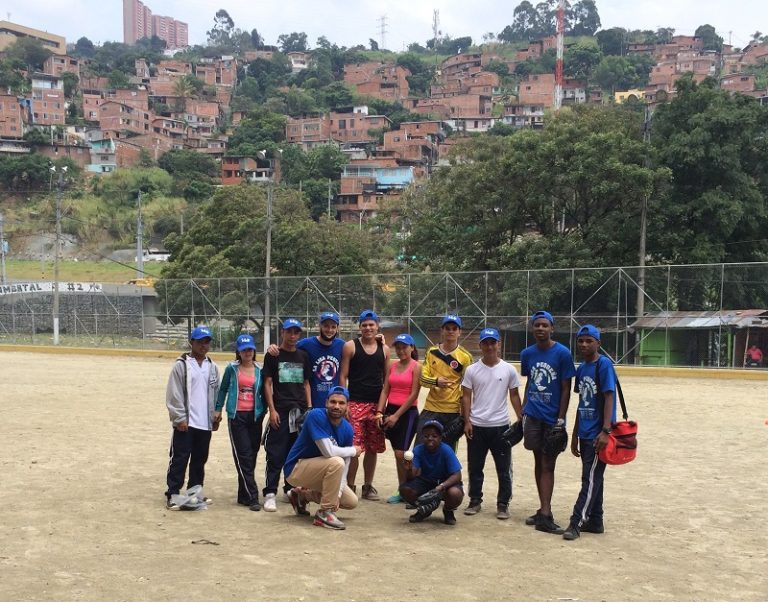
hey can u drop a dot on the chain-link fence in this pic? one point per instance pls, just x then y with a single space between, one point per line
693 315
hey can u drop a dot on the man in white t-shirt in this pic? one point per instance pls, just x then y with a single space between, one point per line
485 388
190 397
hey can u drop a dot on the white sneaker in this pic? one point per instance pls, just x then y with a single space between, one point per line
270 503
286 497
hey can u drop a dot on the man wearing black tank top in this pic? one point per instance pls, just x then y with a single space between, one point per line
364 368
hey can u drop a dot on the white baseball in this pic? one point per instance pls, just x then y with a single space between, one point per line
408 456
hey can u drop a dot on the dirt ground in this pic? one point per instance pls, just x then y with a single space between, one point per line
82 475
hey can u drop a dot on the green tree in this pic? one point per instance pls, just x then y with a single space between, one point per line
118 79
613 41
223 26
70 81
293 42
84 48
711 40
716 145
616 73
498 68
583 18
30 51
262 129
581 60
185 164
583 177
123 185
226 239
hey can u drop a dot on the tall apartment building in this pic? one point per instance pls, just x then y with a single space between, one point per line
139 22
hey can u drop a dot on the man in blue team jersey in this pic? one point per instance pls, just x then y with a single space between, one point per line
548 366
595 384
324 351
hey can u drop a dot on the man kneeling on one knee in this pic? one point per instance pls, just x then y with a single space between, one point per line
433 468
317 464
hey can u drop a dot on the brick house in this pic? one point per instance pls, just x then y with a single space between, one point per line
12 117
386 81
57 65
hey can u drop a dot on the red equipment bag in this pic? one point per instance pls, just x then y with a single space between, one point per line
622 441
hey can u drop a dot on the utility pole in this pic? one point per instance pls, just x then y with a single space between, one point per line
643 221
268 259
3 245
139 243
329 198
56 250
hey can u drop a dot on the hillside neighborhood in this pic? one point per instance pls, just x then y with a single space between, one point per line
178 103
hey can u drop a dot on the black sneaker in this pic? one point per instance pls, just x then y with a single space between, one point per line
571 533
531 520
592 528
409 506
547 524
449 518
171 505
255 505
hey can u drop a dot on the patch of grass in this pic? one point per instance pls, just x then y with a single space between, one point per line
76 271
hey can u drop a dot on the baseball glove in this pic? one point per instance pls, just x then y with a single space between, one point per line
454 430
428 502
555 441
514 434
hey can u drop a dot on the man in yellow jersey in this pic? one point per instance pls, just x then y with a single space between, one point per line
444 367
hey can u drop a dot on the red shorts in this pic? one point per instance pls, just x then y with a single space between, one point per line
368 435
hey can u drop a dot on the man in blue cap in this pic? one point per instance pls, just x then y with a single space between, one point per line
596 385
324 351
191 398
364 368
548 366
487 386
318 462
288 395
442 371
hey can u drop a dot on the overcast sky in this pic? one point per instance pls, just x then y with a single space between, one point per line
350 22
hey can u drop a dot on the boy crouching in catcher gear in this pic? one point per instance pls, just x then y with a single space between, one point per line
433 475
595 384
318 462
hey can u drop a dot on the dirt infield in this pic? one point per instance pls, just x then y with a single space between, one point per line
85 443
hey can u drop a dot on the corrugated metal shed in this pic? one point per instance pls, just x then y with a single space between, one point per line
736 318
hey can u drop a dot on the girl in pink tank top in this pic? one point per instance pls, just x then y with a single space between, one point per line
397 412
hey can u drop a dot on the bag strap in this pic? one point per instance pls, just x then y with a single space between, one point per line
618 387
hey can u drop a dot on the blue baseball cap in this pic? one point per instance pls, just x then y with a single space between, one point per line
245 341
589 331
292 323
405 339
368 314
339 390
329 315
433 423
543 314
489 333
201 332
451 319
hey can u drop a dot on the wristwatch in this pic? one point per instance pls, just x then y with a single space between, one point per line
560 422
607 431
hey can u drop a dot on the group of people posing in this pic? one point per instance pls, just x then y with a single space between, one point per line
331 402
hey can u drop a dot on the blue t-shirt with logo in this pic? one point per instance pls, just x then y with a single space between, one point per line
325 363
590 403
317 425
546 370
437 465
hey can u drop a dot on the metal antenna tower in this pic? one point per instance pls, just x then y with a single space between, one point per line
559 78
383 32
